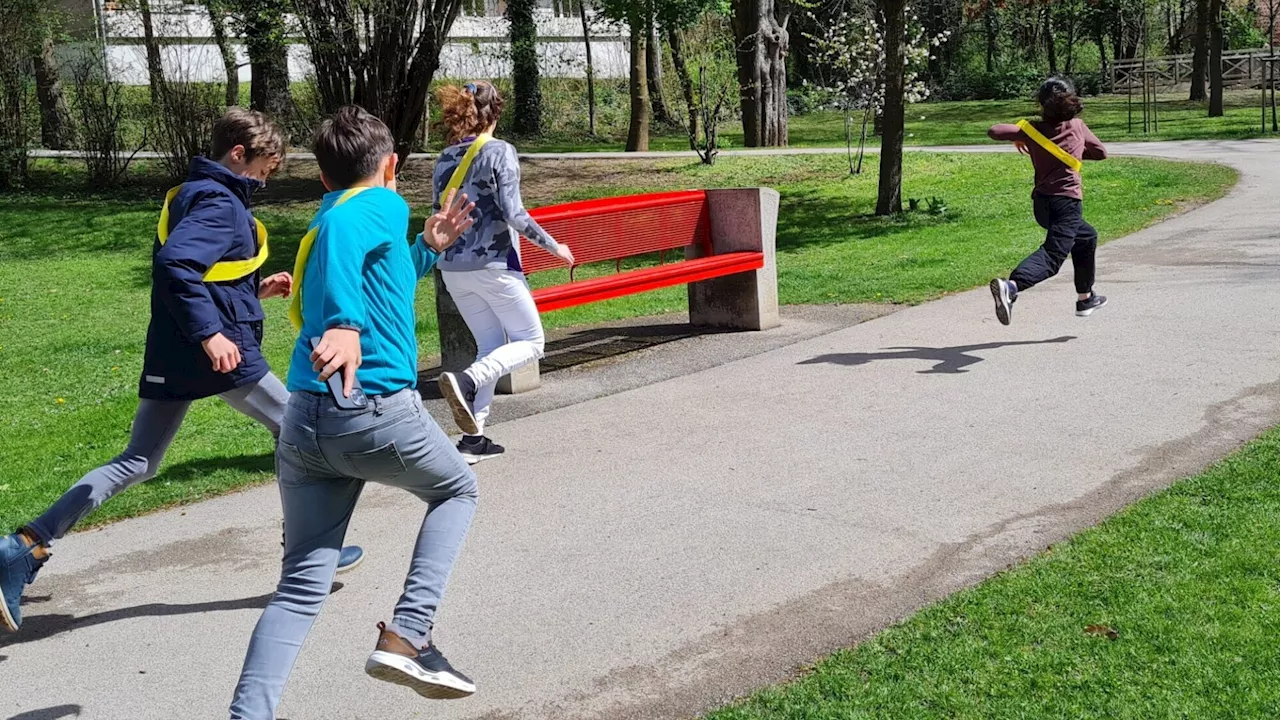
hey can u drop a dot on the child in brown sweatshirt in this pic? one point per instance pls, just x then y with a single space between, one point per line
1058 199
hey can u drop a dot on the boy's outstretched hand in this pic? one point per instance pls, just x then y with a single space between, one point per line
445 227
339 350
278 285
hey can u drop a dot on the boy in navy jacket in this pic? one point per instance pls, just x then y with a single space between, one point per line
204 338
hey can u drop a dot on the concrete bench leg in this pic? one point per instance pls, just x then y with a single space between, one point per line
742 220
458 347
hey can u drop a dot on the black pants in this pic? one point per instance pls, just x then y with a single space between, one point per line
1068 234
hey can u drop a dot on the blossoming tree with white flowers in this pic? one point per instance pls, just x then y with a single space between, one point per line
852 63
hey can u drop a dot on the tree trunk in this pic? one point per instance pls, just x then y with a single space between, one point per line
653 65
760 33
1099 37
591 69
1215 58
1051 47
992 31
524 67
230 66
686 81
155 69
55 119
1072 26
638 132
1200 53
889 198
269 90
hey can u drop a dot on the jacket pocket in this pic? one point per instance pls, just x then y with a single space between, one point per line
248 317
381 463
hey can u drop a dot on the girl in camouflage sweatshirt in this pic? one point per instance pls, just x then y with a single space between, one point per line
482 271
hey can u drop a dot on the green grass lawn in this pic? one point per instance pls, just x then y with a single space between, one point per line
1188 580
74 284
966 123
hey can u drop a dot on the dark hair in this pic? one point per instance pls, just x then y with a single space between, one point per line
256 132
1058 101
350 144
469 109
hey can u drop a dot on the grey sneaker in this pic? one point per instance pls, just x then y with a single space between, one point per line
1085 308
459 390
426 671
1005 294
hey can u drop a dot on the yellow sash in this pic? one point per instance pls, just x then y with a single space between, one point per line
226 270
304 252
1052 148
460 174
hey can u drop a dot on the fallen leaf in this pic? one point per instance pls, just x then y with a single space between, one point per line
1106 631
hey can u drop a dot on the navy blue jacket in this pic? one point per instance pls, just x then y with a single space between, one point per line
209 221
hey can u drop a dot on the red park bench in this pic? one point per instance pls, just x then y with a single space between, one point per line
727 238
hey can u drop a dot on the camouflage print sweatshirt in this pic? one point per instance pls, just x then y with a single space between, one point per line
493 183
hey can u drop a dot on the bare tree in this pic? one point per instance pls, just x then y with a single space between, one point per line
56 129
155 69
380 54
591 68
230 64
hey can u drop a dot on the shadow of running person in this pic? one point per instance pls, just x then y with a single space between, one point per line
43 627
949 360
50 713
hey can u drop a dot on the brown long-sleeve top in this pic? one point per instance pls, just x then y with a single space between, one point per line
1052 176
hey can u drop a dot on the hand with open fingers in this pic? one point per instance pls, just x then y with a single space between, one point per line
445 227
278 285
224 354
564 253
1022 147
338 351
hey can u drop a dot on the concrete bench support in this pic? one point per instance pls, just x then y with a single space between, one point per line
458 347
742 220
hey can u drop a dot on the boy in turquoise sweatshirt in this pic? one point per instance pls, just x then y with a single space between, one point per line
356 277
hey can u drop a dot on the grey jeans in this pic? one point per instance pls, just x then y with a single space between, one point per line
154 426
324 457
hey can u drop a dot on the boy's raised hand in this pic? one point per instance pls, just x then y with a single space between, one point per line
224 354
445 227
278 285
339 350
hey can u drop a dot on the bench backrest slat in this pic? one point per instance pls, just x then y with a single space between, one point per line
620 227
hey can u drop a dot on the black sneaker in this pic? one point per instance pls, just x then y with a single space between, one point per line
426 672
459 390
474 449
1005 294
1085 308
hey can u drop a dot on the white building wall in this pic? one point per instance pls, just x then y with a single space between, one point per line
477 49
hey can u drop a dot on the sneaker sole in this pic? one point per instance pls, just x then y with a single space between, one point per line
462 415
476 459
348 568
6 619
1087 313
1002 310
400 670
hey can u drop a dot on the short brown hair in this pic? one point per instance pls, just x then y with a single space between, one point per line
469 109
255 131
350 144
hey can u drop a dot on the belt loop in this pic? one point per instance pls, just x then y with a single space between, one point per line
377 404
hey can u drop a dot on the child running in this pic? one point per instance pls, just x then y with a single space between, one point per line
1056 145
357 282
204 338
483 272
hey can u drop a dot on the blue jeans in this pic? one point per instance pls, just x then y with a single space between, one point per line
324 457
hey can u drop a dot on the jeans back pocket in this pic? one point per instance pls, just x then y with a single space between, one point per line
380 463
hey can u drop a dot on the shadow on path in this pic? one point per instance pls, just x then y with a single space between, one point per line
949 360
50 713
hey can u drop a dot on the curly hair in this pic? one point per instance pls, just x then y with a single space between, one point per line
1058 101
468 110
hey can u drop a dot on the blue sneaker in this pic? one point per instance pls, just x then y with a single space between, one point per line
17 569
349 558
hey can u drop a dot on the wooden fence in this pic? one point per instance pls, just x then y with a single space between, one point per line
1239 67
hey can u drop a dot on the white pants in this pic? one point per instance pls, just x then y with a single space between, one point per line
499 310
